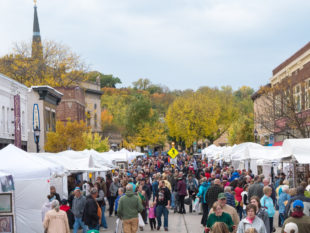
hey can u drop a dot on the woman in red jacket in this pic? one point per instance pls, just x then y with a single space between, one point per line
238 198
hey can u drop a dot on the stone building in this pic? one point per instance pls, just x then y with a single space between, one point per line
93 104
8 119
42 109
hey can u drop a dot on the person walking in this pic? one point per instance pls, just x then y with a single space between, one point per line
219 215
192 188
181 187
298 217
101 202
162 201
251 221
78 205
113 194
284 197
56 220
92 212
267 203
129 206
256 189
203 188
213 192
261 212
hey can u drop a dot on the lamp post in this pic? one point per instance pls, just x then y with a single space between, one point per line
287 134
37 137
255 135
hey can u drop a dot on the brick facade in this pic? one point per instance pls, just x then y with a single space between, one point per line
72 104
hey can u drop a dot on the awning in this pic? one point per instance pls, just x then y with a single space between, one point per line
278 144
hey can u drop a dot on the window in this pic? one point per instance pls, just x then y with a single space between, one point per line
3 119
23 123
277 105
8 120
95 119
297 97
95 106
47 120
53 121
88 118
286 101
307 94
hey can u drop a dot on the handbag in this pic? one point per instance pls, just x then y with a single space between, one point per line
196 205
119 226
187 201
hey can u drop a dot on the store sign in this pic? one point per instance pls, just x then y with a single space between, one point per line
18 132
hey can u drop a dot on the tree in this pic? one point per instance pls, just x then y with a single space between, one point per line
279 110
67 136
94 141
59 66
106 80
149 134
106 119
192 117
142 84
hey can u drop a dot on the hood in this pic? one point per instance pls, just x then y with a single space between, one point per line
129 193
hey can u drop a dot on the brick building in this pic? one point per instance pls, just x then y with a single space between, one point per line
290 102
72 104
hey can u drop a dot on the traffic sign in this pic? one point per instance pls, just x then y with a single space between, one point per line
173 153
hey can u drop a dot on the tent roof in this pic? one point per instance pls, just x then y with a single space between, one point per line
241 151
21 165
298 148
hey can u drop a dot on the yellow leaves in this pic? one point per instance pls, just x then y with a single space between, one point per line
94 141
106 118
149 135
67 136
192 117
58 66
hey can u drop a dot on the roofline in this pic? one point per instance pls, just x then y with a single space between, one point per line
14 81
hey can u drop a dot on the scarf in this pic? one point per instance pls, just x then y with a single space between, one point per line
297 214
250 220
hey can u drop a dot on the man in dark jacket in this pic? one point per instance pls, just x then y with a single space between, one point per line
181 187
53 192
78 205
162 201
213 192
90 215
256 189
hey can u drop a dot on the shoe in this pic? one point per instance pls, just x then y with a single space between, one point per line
166 228
158 228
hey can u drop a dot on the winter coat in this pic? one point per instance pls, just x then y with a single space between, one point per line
56 222
181 188
303 223
90 214
267 203
78 205
257 223
263 215
129 206
203 188
114 189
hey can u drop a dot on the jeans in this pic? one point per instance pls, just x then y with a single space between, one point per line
77 223
282 218
111 204
271 223
172 200
239 211
205 214
103 220
160 209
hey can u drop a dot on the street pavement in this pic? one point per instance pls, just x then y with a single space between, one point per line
178 223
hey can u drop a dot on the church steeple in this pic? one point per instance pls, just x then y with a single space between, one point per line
37 51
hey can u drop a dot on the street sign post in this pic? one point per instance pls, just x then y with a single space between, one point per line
173 153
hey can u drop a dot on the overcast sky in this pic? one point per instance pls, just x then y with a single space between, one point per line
178 43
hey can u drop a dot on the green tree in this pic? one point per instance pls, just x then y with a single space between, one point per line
142 84
106 80
94 141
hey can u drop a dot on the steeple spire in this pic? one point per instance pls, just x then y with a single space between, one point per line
36 37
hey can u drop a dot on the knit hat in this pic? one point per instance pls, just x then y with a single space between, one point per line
291 226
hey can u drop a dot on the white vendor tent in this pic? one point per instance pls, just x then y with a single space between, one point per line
241 151
98 158
122 155
298 149
31 177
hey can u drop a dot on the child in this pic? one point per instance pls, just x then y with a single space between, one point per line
152 216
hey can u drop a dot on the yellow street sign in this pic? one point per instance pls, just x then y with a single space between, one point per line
173 153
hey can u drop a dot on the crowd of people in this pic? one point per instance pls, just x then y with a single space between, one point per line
228 200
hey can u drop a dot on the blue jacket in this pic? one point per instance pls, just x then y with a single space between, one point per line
117 200
230 199
154 187
203 190
234 176
282 198
267 203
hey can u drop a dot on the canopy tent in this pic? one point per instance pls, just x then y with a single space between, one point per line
241 151
98 158
122 155
31 178
266 154
298 149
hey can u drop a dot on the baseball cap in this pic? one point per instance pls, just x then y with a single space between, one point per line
291 226
298 203
221 196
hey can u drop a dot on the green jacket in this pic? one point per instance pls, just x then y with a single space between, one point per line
225 218
129 206
303 223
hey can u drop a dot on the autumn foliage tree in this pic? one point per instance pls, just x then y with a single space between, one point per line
94 141
58 66
67 136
